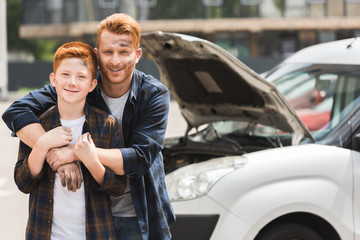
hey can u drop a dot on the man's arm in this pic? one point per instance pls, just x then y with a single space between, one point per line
25 110
146 143
148 137
30 133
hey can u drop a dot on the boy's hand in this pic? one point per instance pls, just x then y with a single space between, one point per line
85 149
57 137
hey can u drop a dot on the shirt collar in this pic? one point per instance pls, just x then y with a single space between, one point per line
135 85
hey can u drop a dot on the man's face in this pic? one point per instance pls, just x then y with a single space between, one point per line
73 80
117 59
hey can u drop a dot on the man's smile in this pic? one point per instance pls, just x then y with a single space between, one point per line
115 70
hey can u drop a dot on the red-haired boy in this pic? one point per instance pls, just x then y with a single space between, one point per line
55 212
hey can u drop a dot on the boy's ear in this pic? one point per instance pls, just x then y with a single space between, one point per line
52 79
93 85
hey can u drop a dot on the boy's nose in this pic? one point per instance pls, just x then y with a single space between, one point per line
72 80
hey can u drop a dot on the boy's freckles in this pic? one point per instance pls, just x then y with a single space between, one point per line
84 63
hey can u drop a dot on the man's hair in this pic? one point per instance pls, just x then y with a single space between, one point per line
120 23
76 50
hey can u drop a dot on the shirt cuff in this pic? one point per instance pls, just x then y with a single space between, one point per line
129 160
112 183
23 120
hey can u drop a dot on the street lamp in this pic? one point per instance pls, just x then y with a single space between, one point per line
3 52
212 3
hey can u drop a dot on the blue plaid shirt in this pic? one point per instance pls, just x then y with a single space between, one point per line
144 125
105 132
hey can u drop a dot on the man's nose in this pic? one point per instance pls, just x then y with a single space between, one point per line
115 60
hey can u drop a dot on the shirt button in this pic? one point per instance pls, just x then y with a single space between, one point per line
50 201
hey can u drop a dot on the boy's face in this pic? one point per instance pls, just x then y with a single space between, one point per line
72 80
117 57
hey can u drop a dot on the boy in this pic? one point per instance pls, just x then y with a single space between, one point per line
55 212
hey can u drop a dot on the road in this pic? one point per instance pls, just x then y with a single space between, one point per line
13 203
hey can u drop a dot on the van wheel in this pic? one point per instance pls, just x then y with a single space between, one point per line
288 231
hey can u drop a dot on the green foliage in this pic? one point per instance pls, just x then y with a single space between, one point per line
42 49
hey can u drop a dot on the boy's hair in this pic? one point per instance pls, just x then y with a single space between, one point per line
120 23
76 50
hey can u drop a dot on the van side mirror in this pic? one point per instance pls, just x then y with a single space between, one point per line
357 141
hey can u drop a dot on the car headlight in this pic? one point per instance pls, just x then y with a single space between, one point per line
197 179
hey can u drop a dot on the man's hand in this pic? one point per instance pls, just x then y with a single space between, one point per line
70 176
63 160
60 156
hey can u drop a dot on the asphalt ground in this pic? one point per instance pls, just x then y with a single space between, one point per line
13 203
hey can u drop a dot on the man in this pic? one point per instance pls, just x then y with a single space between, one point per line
141 104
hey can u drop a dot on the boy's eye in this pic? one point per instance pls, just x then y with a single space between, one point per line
65 74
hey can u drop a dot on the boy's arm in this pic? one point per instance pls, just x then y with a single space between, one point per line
69 172
109 182
56 137
112 158
22 176
85 150
29 166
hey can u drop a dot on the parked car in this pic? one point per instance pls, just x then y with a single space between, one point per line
248 167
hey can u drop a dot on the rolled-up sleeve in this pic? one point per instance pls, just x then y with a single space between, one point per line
113 184
148 138
26 110
22 175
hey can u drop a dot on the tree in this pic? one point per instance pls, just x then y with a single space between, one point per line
43 50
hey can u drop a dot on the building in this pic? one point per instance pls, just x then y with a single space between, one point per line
247 28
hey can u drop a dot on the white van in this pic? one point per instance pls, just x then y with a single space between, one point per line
274 159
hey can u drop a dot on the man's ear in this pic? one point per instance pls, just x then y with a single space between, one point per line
138 55
93 85
52 79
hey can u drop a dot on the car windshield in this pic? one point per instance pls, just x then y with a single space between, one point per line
322 95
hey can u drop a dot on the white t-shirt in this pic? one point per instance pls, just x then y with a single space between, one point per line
122 206
69 214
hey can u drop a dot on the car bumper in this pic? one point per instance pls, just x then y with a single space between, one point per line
204 218
194 227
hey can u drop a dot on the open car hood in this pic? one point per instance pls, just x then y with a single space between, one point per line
212 85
